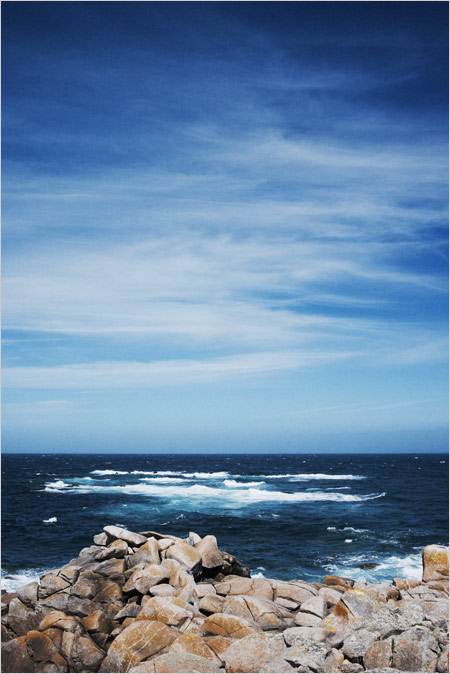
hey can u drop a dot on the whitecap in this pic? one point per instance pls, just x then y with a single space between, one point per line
257 575
249 495
317 476
162 480
109 472
232 484
51 520
348 540
58 485
331 528
12 581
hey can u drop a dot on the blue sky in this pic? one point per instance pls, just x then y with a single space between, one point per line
225 226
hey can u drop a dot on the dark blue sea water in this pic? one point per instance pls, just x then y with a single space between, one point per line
285 516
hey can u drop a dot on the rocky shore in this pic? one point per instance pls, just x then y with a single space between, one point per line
151 602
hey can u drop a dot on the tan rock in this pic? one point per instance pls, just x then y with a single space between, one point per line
405 583
87 585
307 619
252 652
15 656
117 550
294 634
147 554
330 596
435 563
101 539
145 578
44 651
219 645
28 594
51 583
162 590
177 662
113 569
55 635
333 661
378 654
140 640
209 552
258 587
21 619
347 583
266 613
81 652
383 592
316 606
167 610
130 610
293 592
60 620
230 626
131 538
193 643
278 665
98 622
185 555
164 543
204 589
308 655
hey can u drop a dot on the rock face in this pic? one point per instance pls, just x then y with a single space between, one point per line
151 602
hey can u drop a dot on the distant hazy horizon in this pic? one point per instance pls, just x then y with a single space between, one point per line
225 227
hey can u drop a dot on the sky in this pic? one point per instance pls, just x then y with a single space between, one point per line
225 226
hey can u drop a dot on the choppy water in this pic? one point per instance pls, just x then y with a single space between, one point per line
285 516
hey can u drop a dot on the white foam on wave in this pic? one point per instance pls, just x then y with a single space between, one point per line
58 485
51 520
232 484
109 472
12 581
162 480
258 574
155 473
248 495
387 568
321 476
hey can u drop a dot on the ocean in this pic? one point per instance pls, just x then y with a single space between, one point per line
285 516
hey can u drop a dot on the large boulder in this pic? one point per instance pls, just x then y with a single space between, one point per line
209 552
435 563
185 663
252 652
186 555
134 540
139 641
230 626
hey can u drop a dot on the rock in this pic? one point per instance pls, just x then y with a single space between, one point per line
101 539
147 554
187 556
378 655
257 587
117 549
443 661
97 622
15 656
211 603
144 578
204 589
253 652
230 626
357 643
50 584
194 538
193 643
219 645
262 611
294 634
415 650
367 613
316 606
165 543
333 661
209 552
405 583
28 594
162 590
350 667
81 652
60 620
167 610
382 592
435 563
307 619
307 654
139 641
130 610
45 653
330 596
337 580
113 569
21 619
128 536
294 593
277 665
175 662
